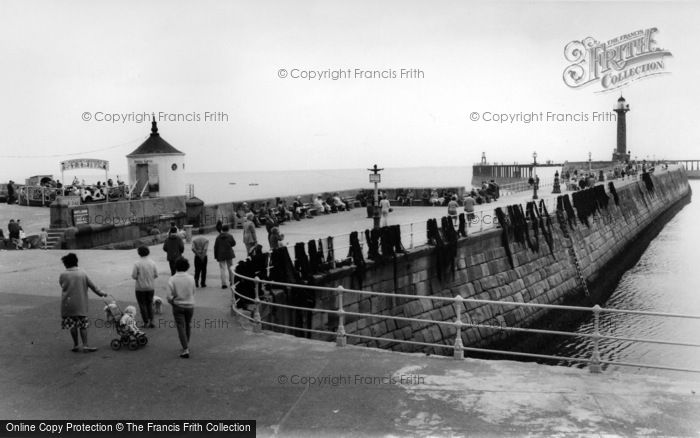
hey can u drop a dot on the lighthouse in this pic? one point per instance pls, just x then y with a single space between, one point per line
156 168
621 109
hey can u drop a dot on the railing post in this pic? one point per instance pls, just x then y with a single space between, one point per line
411 247
233 296
257 325
289 314
341 339
594 365
330 245
459 347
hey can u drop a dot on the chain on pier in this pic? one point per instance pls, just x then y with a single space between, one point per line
572 251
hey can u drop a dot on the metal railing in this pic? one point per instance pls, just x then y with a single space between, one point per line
523 186
413 234
40 195
594 362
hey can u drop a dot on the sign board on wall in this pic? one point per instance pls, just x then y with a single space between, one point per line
81 216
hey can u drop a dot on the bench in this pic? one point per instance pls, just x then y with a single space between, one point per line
309 209
351 201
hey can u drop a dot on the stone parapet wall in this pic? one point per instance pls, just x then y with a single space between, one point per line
123 224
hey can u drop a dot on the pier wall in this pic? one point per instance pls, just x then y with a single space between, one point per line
481 270
122 224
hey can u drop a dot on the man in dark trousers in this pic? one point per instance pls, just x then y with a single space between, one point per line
11 192
223 253
174 247
200 244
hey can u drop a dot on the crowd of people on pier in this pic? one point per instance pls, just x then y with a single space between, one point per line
46 189
99 191
579 179
269 215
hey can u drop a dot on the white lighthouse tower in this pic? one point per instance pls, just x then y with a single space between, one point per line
156 167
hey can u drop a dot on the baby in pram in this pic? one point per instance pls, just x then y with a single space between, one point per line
128 321
125 324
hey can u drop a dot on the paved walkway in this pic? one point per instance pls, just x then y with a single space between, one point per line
292 386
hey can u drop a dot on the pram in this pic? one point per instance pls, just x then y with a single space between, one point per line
114 315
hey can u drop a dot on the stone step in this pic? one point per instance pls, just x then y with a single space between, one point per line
54 239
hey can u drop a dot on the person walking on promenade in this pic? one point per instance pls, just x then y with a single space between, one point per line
469 208
181 286
250 239
174 247
74 301
223 253
145 273
200 245
385 208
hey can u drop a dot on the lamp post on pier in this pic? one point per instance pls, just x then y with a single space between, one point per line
589 162
534 175
375 177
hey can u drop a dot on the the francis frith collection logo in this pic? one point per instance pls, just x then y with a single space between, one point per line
616 62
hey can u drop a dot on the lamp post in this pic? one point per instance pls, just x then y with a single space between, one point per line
375 177
589 161
534 175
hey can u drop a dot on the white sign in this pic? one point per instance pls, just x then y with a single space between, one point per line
84 163
72 201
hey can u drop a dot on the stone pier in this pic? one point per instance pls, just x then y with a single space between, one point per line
614 238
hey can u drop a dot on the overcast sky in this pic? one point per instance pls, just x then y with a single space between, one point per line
61 59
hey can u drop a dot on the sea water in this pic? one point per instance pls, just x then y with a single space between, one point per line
217 187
